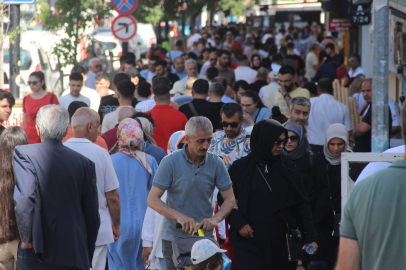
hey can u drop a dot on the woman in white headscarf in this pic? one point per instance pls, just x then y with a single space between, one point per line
176 141
325 195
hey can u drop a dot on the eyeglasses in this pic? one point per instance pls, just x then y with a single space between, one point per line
294 138
233 124
246 105
281 141
180 145
33 83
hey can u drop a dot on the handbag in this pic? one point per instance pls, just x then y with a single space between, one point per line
337 216
293 236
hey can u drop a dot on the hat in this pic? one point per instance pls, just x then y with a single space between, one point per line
229 33
204 249
248 35
273 75
178 87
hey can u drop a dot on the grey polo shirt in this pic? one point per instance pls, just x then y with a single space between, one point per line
190 189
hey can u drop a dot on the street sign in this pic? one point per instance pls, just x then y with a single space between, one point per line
340 25
125 7
124 28
18 2
360 14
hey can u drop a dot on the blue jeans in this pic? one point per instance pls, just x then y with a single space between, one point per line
26 260
321 265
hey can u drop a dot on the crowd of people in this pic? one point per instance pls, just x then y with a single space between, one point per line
236 133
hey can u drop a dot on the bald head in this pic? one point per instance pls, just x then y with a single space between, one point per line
262 74
84 123
125 112
102 91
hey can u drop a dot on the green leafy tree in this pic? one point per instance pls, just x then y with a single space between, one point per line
235 7
73 17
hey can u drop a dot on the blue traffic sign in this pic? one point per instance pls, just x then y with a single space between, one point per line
19 2
125 7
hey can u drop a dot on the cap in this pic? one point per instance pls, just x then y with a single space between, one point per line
132 71
178 87
204 249
273 75
229 33
248 35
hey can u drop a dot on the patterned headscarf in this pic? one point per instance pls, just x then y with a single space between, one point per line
130 139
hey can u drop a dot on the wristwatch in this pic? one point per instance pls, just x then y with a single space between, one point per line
286 95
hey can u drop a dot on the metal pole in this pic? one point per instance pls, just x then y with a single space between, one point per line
15 51
380 85
125 48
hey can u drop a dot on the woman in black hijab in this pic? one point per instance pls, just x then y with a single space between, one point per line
270 198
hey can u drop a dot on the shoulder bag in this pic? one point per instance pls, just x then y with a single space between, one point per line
193 109
293 236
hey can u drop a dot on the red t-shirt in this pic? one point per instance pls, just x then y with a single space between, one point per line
30 108
167 121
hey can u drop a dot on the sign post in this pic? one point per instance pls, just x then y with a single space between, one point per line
15 45
124 27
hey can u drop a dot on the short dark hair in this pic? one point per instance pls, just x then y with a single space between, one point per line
74 106
154 57
290 45
266 63
221 80
78 69
330 46
192 55
123 58
130 61
230 109
144 89
241 84
102 75
201 87
221 52
211 73
179 43
356 56
242 58
131 55
217 89
325 85
257 45
126 89
255 98
277 57
159 80
161 90
311 86
338 58
4 94
120 77
211 263
76 77
161 62
287 69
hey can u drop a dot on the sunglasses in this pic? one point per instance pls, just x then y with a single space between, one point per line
180 145
281 141
32 83
233 124
294 138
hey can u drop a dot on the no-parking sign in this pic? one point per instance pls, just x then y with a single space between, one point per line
125 7
124 28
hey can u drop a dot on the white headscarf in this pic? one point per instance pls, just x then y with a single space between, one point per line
174 141
335 131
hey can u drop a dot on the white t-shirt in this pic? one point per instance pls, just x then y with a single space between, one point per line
245 73
110 120
145 105
374 167
64 101
325 111
276 67
311 61
356 72
106 181
90 94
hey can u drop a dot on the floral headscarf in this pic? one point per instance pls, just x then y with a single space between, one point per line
130 139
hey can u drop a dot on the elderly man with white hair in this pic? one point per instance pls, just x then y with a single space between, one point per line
191 70
95 67
190 176
84 123
56 200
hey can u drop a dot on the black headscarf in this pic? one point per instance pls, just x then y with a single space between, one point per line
263 138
